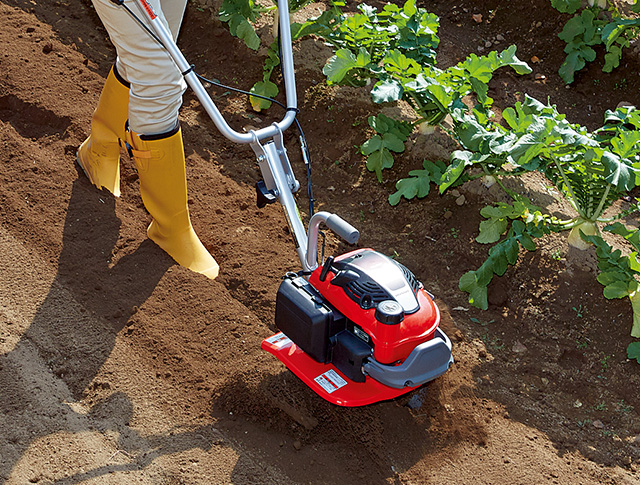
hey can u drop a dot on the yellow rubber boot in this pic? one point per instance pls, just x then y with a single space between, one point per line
99 155
163 187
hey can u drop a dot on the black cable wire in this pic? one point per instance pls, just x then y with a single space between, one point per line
242 91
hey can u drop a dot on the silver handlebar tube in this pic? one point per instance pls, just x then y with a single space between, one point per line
194 83
314 230
272 158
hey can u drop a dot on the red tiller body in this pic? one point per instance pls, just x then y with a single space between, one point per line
392 343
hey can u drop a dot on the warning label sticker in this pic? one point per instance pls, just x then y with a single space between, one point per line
279 340
330 381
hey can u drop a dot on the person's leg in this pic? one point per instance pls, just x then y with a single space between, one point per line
154 134
156 83
174 13
99 154
163 187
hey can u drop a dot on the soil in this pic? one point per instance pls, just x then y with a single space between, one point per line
118 366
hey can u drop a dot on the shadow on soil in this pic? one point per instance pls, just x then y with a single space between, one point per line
74 332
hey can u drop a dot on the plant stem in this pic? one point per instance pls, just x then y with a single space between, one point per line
569 224
510 193
598 211
265 9
572 199
415 103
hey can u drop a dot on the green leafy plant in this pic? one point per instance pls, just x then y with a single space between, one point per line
390 137
590 169
508 227
395 50
591 27
266 87
321 26
579 311
363 41
419 182
580 33
619 273
240 15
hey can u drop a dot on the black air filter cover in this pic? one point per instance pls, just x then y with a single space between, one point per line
304 316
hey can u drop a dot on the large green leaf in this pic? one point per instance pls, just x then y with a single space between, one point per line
471 134
573 63
508 58
633 351
263 88
566 6
631 235
419 182
609 277
342 62
441 93
617 289
381 123
241 28
409 188
492 229
477 293
512 250
246 9
409 8
624 115
627 144
574 27
378 161
481 89
393 142
460 160
373 144
395 61
620 175
387 91
384 124
613 30
612 58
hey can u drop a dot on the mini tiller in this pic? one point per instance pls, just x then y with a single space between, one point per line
358 329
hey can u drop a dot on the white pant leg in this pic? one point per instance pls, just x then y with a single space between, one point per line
174 13
156 83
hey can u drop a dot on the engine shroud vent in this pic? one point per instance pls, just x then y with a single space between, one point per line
411 278
366 293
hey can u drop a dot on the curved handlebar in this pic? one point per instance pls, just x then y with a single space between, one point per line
334 222
212 110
